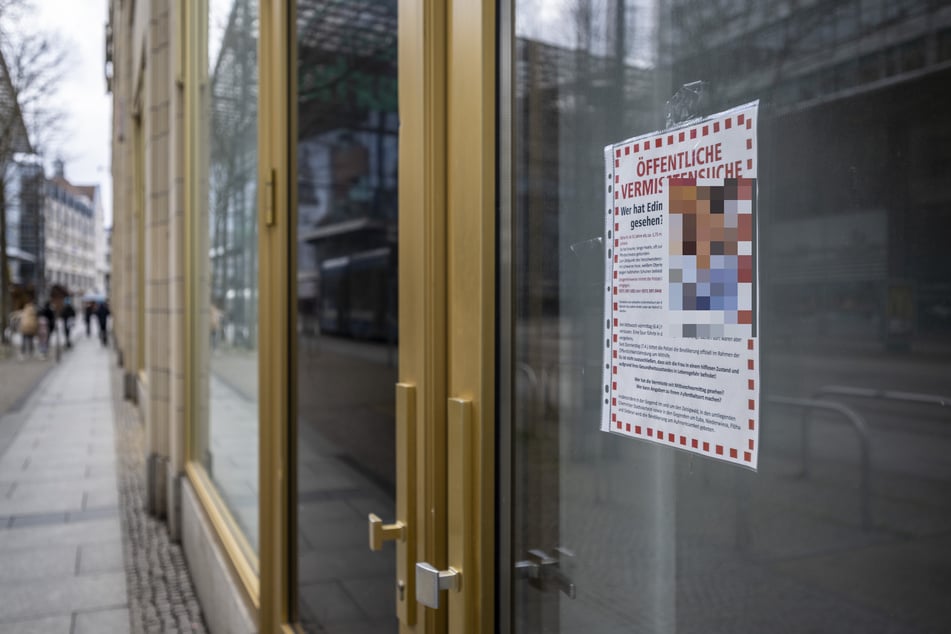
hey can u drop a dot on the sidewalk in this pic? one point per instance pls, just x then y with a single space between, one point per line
78 552
61 552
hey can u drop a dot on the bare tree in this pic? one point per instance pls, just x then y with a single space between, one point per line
32 66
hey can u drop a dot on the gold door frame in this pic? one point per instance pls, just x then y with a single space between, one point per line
263 578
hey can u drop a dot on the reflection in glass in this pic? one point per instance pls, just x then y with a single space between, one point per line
346 312
228 437
856 294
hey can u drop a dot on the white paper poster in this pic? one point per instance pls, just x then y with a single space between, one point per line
682 348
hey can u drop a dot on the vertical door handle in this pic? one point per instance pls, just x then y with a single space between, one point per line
461 518
401 530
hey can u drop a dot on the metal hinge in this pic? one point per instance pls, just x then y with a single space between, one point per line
269 199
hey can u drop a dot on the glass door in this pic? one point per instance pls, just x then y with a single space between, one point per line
347 313
837 520
393 343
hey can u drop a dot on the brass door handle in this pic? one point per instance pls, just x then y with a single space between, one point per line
380 532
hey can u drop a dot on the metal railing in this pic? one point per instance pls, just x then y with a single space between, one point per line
858 424
884 395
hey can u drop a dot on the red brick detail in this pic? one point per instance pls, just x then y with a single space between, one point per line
752 424
751 404
733 453
627 150
650 432
739 119
694 443
749 144
728 123
614 383
706 130
616 242
751 384
749 164
615 303
670 139
671 437
617 153
749 364
615 290
615 354
681 136
614 370
749 344
637 429
716 126
615 322
615 277
628 426
719 450
619 423
747 456
615 259
749 124
613 402
706 446
613 416
637 147
617 163
751 444
617 226
693 133
683 440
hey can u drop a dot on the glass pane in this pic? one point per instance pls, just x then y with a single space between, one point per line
844 525
228 438
346 312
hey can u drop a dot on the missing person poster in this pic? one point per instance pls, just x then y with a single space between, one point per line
682 346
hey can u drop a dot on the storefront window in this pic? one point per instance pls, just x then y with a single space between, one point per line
346 311
842 525
227 438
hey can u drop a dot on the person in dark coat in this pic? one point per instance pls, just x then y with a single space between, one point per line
102 314
48 316
68 315
88 310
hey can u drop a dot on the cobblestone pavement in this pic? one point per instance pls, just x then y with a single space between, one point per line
161 595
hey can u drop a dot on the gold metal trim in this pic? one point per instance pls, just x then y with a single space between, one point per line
462 514
406 499
274 309
239 551
422 44
471 232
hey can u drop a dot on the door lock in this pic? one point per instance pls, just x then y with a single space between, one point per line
431 582
543 571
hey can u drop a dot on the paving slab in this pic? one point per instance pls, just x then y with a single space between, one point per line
101 557
46 625
58 595
115 621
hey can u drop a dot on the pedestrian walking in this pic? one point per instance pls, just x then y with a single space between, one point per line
47 322
68 315
28 327
88 310
102 314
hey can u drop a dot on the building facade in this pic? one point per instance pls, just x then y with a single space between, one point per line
364 291
70 227
25 237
